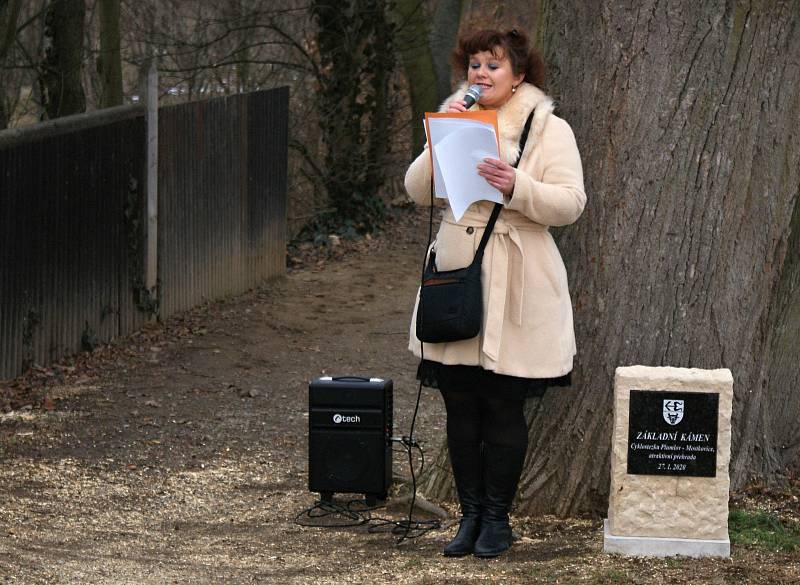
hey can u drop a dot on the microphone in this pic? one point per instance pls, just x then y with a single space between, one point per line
473 95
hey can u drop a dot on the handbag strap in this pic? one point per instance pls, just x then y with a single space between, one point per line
523 139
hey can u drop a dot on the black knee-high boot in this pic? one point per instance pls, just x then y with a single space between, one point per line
502 469
465 458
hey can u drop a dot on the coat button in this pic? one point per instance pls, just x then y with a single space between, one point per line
470 229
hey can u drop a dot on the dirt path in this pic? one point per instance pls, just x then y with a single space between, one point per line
179 456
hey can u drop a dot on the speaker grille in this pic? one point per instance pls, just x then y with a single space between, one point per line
346 461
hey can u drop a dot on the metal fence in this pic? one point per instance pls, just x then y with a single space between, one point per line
219 245
72 217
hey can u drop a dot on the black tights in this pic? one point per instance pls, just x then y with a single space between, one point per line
474 416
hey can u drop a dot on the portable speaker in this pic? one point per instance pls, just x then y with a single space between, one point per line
349 436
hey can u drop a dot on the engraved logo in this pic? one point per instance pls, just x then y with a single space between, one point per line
673 411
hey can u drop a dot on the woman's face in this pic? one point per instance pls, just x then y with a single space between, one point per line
492 71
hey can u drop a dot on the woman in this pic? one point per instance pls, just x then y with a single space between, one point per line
527 341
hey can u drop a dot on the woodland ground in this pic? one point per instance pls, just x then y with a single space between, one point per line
179 455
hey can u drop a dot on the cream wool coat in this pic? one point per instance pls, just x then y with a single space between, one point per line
527 329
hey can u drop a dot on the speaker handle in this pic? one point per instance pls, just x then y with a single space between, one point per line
354 378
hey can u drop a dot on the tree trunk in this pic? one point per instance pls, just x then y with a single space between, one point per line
356 60
110 61
781 403
443 35
64 23
415 55
9 14
685 256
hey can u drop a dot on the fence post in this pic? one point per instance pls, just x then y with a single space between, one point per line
151 228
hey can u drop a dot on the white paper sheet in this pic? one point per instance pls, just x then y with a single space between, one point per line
458 147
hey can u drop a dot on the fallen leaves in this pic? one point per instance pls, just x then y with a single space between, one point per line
152 483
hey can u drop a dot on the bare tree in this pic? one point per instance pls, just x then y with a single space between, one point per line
63 61
688 253
356 59
9 15
415 53
109 63
443 34
205 49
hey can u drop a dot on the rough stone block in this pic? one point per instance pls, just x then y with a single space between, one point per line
667 506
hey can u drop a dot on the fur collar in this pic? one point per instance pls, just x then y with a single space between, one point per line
512 115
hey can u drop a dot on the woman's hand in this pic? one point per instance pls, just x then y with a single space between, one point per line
498 174
456 106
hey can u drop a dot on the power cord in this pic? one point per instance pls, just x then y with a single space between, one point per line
415 528
409 523
357 512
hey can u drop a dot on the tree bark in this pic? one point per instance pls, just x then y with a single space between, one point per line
356 60
783 406
687 253
64 25
443 36
415 55
9 15
110 60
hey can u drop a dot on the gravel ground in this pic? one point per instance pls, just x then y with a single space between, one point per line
179 455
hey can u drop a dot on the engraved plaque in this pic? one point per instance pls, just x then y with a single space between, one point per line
673 433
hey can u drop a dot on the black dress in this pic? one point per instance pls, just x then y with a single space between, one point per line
458 377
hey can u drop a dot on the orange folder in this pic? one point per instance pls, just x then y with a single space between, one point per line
485 116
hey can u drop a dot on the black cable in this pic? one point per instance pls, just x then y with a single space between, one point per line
323 509
409 444
409 527
419 389
356 512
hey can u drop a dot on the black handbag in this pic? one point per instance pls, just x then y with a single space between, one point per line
451 301
450 304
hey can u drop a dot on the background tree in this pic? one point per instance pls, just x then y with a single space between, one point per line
9 16
688 253
442 37
63 58
109 63
416 56
356 60
425 38
355 122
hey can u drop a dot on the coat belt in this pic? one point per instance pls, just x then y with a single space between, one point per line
506 270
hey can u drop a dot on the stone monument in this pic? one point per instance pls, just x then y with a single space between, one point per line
671 447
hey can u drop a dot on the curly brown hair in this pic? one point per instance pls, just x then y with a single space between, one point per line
512 44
